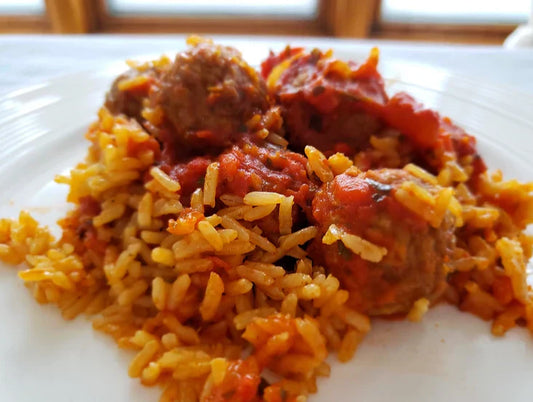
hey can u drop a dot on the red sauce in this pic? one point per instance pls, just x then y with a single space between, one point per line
326 81
353 202
349 190
89 207
239 385
185 222
264 168
412 119
189 174
78 228
429 131
274 59
91 241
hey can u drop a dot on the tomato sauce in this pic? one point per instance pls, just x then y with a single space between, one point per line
239 385
265 168
189 174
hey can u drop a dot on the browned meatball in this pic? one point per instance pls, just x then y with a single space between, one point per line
365 205
208 94
128 99
326 103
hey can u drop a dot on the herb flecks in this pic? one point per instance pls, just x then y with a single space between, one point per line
344 252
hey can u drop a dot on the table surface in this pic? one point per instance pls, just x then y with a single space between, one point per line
27 60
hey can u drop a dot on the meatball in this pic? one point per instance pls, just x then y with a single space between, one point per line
412 267
128 99
338 106
208 94
326 101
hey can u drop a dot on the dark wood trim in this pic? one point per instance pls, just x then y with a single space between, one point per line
24 24
464 28
341 18
210 26
106 22
350 18
475 34
71 16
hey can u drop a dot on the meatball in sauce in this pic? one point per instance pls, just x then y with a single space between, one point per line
412 266
338 106
208 94
325 101
196 105
129 90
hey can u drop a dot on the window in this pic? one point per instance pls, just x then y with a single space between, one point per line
23 16
270 8
456 11
21 7
463 21
261 17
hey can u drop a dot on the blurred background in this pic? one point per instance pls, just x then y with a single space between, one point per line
452 21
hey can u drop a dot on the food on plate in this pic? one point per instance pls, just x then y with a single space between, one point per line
342 106
233 227
200 101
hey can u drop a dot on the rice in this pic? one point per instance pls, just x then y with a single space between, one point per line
219 366
211 235
110 212
213 294
318 164
420 307
143 358
163 179
177 291
261 242
238 287
417 171
300 237
285 215
197 200
514 264
254 275
258 198
259 212
230 223
210 184
366 250
231 200
339 163
277 139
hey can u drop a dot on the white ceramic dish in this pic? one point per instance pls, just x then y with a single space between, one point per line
450 356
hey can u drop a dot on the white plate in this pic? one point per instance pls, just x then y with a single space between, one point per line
450 356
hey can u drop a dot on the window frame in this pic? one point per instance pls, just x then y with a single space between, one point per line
336 18
108 23
24 23
444 32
